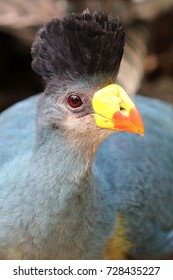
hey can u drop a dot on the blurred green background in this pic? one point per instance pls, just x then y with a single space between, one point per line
19 21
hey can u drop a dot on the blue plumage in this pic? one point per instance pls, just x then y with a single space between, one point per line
57 199
134 176
139 172
17 125
48 208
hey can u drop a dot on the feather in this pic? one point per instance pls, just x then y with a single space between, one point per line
79 45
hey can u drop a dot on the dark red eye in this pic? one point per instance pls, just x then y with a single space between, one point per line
74 101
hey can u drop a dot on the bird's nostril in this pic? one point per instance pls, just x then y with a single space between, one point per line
123 111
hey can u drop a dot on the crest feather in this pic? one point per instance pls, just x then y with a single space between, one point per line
79 45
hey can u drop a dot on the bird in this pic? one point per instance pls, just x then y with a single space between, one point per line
79 176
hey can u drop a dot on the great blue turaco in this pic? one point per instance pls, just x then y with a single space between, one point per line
77 179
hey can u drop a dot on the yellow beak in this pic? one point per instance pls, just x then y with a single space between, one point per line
113 109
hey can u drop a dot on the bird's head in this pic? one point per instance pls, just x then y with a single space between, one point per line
79 56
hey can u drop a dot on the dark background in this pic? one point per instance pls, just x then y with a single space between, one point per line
19 20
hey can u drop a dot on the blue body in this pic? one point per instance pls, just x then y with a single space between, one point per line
139 173
133 177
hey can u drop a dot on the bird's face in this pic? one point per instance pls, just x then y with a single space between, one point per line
86 116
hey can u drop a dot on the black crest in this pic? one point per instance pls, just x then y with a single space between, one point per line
79 45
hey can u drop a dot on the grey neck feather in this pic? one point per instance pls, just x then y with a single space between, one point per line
67 209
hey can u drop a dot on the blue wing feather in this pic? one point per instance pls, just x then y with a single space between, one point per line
17 126
139 173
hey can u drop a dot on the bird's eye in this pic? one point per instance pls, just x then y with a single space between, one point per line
74 101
